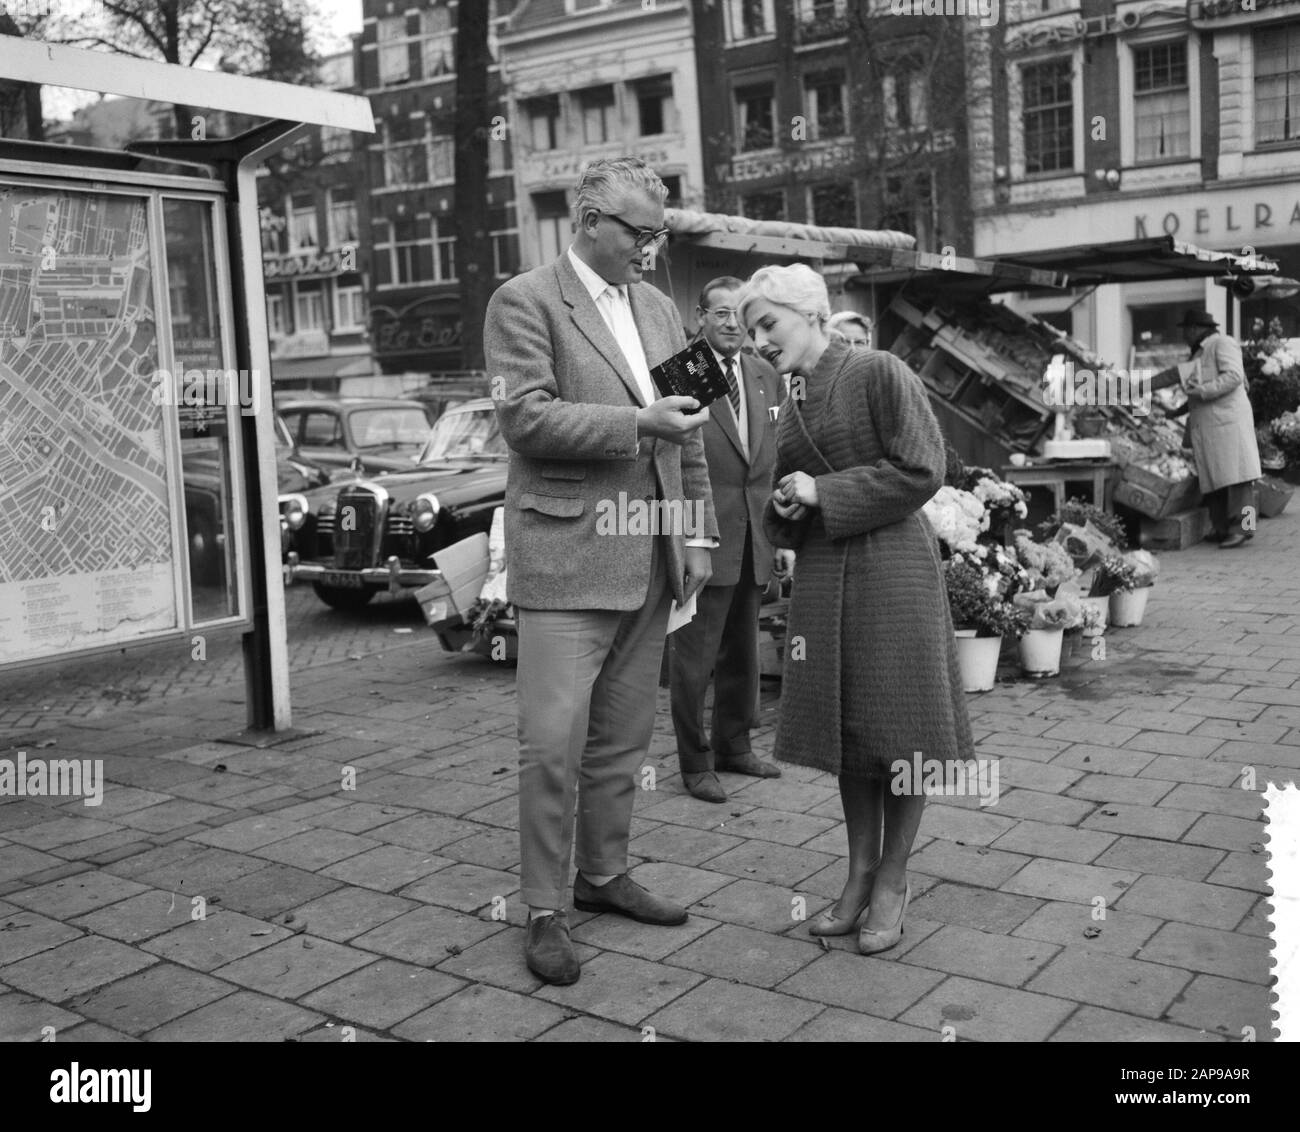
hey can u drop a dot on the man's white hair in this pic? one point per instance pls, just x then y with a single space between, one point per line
797 286
604 182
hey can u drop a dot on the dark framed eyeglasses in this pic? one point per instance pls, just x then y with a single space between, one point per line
644 236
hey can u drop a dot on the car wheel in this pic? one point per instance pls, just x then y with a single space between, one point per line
336 597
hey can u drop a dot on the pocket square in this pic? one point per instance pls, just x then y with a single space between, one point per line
772 412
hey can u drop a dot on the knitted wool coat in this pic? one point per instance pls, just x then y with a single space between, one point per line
878 677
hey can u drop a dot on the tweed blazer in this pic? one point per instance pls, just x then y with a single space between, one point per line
567 402
741 486
1220 421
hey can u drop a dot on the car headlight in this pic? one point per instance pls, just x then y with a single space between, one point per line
294 510
425 513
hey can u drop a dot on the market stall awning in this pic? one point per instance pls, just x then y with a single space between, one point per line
1138 261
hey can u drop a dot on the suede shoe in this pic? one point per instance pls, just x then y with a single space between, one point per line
624 897
748 763
548 951
704 786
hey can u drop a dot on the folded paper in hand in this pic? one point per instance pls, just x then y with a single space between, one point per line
692 372
679 615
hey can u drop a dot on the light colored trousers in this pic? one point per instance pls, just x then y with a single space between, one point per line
587 684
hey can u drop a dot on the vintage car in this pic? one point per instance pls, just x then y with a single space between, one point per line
377 533
364 434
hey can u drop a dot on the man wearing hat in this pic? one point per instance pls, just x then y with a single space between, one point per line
1221 426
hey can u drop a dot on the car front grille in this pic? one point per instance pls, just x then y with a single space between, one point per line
358 526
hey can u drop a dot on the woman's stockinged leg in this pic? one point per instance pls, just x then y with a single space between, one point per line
902 818
862 799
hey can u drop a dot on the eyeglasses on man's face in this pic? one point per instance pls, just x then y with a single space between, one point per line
723 314
644 236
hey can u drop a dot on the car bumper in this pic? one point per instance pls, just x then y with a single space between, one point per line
389 576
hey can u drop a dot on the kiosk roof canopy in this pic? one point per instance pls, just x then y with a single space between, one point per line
1139 261
53 64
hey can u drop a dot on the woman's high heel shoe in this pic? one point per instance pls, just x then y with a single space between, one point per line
829 924
871 941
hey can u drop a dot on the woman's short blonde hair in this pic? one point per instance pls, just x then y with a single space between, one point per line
852 318
797 286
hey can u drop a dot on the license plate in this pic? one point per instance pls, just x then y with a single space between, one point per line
342 581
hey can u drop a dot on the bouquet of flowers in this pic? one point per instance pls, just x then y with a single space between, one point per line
1286 433
1046 612
973 606
1272 371
1113 575
1004 502
1145 567
1078 513
958 518
1047 563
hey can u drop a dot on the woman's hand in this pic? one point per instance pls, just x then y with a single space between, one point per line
798 488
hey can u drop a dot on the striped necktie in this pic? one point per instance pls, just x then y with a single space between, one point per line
733 390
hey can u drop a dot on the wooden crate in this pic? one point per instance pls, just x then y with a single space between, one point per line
1154 496
1177 531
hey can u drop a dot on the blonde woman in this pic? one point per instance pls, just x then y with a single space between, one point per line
852 327
858 454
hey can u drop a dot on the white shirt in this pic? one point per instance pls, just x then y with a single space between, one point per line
742 422
618 317
617 313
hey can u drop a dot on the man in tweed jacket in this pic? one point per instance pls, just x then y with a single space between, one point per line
569 346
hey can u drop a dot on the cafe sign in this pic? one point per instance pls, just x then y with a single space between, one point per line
308 265
1209 13
806 163
417 327
1239 218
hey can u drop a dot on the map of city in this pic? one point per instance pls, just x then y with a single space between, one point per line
83 486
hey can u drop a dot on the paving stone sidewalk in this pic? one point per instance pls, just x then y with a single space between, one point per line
226 891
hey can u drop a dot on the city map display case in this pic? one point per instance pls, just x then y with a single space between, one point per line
119 412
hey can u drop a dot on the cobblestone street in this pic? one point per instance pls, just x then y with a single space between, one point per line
234 892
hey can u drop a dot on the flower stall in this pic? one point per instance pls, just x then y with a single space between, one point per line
1008 584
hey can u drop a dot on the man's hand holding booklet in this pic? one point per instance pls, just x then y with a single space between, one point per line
692 372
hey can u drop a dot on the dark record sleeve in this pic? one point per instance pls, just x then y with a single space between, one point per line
692 372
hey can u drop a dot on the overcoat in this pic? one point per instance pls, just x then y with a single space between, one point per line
870 673
1220 421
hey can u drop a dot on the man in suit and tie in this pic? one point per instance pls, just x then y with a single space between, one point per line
721 641
569 349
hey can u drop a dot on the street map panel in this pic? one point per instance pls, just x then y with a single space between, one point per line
85 531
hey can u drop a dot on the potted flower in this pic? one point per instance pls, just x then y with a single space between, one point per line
1130 586
980 620
1040 646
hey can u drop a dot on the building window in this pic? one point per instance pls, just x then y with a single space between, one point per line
543 116
834 205
349 308
394 59
274 231
437 43
654 103
1162 113
277 314
302 222
597 105
505 241
908 206
755 117
444 259
554 227
905 94
309 307
335 144
1048 116
674 186
342 216
769 205
498 155
404 252
749 19
1277 84
824 105
442 159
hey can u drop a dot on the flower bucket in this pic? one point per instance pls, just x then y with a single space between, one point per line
1040 652
1100 606
978 658
1127 608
